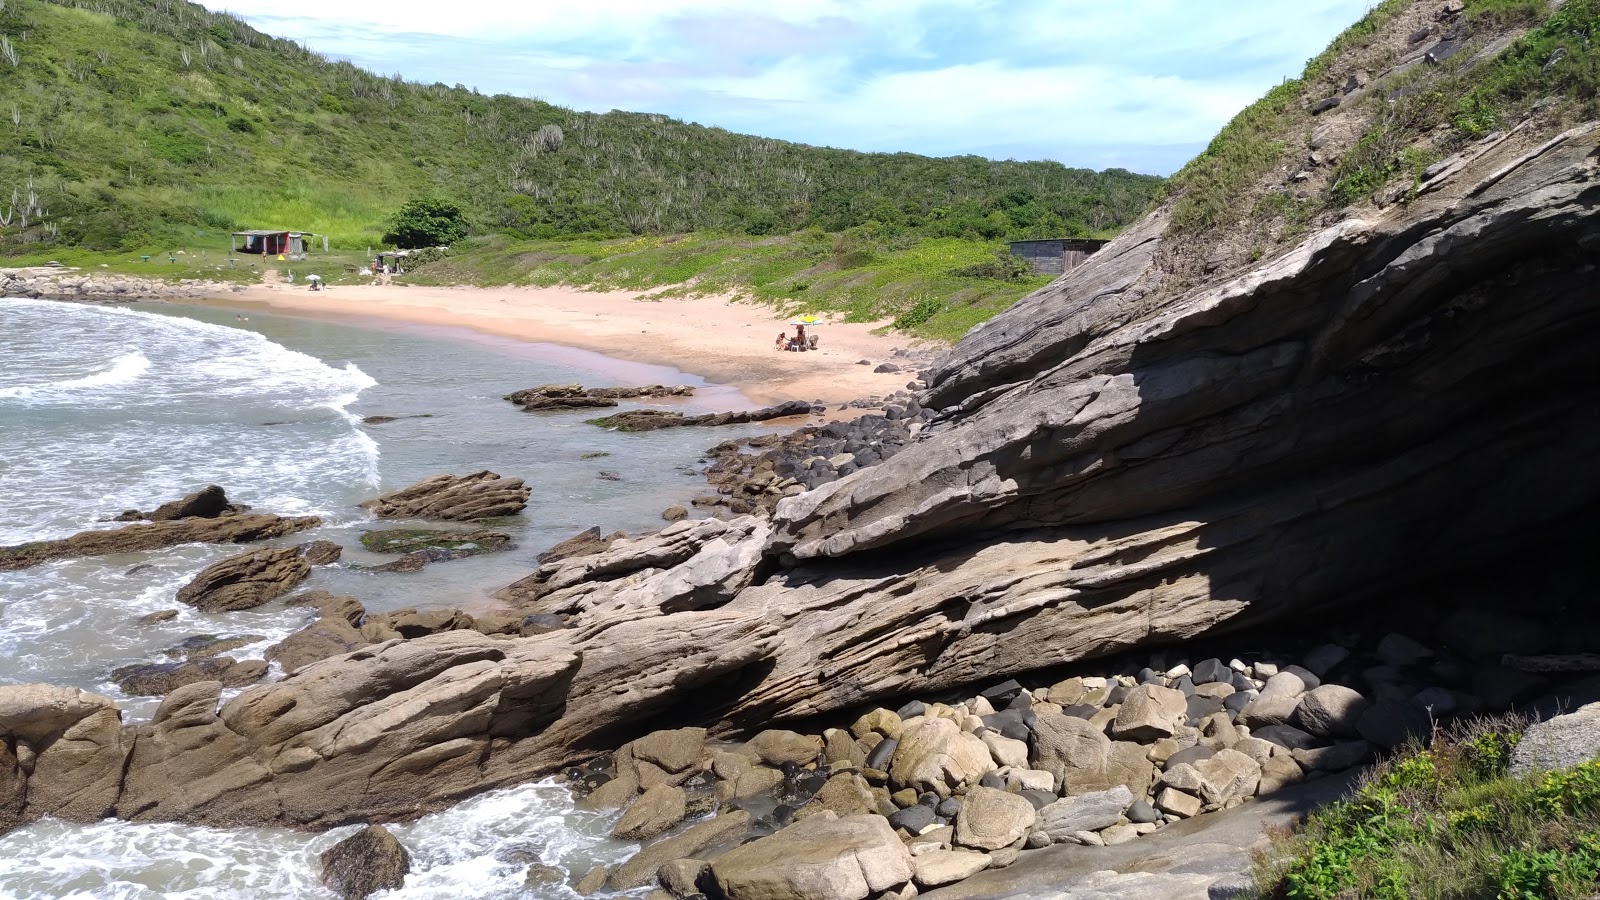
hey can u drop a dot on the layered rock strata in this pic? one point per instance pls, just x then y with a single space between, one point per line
552 397
454 498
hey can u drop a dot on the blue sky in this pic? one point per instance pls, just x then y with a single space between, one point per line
1141 84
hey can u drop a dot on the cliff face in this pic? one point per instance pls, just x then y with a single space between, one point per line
1118 461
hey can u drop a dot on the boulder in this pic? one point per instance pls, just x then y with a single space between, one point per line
369 861
1228 776
1330 711
937 754
1149 712
683 878
1560 742
990 819
207 503
939 867
851 858
1178 803
558 397
641 869
656 419
656 810
845 794
454 498
255 578
1085 812
335 631
1336 758
776 748
1393 723
419 547
229 529
155 679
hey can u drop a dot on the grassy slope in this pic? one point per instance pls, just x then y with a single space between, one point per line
1448 823
1405 134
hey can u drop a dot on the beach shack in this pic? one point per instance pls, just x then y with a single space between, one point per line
256 242
1056 256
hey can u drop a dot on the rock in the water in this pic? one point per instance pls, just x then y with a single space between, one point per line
207 503
454 498
229 529
252 579
655 419
368 861
575 396
656 810
155 679
336 630
727 828
989 819
1560 742
420 546
847 859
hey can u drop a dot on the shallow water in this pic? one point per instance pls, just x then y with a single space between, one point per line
103 409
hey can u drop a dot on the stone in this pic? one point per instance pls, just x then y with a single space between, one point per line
1149 712
454 498
1085 812
881 721
1560 742
940 867
656 810
845 794
1400 651
726 828
1322 660
682 878
1119 834
1336 758
1391 724
850 858
1028 779
1277 773
252 579
1228 776
1287 737
937 753
369 861
1501 688
1178 803
155 679
755 781
1331 711
1211 670
675 513
1276 703
674 751
540 875
913 818
1190 756
592 881
777 747
1005 751
156 618
989 819
1141 812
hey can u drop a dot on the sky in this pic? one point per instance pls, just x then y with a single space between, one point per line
1136 84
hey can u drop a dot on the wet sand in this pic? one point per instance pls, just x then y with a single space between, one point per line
717 338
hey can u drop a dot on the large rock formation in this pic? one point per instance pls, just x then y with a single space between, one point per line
260 576
551 397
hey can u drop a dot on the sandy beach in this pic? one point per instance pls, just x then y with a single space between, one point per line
717 338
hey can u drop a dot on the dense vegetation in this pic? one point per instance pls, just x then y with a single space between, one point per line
151 123
1449 823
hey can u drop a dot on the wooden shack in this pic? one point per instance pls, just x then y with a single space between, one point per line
257 242
1056 256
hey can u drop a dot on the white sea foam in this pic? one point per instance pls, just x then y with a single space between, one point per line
125 369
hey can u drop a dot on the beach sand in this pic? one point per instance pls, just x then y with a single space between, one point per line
717 338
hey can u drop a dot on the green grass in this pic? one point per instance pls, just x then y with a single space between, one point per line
1255 141
1448 823
862 275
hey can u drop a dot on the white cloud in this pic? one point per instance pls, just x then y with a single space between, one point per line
1138 83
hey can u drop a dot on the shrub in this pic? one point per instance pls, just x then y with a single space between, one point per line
426 222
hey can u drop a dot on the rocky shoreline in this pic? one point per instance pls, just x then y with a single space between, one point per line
65 283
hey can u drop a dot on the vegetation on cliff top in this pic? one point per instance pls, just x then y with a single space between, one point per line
1449 823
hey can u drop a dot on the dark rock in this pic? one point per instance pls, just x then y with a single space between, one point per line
1322 106
913 818
252 579
1501 688
1039 799
557 397
369 861
207 503
1237 701
1391 724
675 513
1287 736
156 679
164 615
1141 812
878 758
1081 711
1486 635
887 369
1211 671
541 623
948 808
911 710
1200 707
1003 693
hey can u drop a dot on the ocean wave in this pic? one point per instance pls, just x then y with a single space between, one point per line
125 369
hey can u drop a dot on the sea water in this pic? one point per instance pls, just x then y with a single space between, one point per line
104 409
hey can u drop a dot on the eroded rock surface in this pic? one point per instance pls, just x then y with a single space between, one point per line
575 396
454 498
252 579
227 529
656 419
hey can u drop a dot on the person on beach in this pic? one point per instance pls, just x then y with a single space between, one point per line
783 342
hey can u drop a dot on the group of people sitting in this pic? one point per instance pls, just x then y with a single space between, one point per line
799 341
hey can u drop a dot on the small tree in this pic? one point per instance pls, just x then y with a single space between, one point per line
426 222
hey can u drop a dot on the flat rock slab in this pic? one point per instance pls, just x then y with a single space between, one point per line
252 579
231 529
556 397
655 419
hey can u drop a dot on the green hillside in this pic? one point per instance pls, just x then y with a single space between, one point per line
138 124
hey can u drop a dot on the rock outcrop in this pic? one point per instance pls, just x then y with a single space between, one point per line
656 419
251 579
419 547
552 397
369 861
454 498
209 502
227 529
